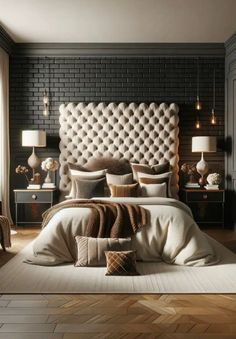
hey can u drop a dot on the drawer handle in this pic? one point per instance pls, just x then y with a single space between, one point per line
205 196
34 196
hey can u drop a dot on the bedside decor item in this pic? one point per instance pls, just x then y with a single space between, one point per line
190 175
49 165
203 144
22 170
214 179
33 138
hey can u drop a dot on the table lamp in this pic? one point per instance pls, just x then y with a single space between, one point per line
203 145
34 138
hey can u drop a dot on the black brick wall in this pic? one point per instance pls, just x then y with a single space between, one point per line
138 79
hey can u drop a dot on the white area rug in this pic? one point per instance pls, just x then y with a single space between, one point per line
18 277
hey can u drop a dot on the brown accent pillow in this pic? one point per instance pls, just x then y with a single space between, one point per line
124 190
141 168
121 179
113 165
161 168
91 251
86 189
150 181
121 263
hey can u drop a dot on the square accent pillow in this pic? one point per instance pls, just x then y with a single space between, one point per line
141 168
154 190
124 190
161 168
121 263
87 189
77 174
115 179
166 176
91 251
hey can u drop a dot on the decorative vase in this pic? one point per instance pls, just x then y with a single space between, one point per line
48 178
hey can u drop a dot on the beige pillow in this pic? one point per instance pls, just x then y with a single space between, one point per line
91 251
115 179
166 176
154 190
124 190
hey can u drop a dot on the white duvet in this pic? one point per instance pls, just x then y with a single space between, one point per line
172 235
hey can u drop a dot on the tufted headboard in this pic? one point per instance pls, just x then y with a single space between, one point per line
140 133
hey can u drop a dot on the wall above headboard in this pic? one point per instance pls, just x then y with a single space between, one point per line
113 79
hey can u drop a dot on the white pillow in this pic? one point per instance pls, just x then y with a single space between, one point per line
158 176
115 179
88 175
153 190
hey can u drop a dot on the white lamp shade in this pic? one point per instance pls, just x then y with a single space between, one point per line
203 144
34 138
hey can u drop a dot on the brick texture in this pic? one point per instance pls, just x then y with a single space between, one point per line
112 79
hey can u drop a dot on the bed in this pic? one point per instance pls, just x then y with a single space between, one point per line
144 134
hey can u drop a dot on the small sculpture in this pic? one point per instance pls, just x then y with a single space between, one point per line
214 179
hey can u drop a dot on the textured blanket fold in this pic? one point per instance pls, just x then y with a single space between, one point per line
107 219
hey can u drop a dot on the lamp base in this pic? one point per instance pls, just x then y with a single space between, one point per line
202 181
202 169
33 162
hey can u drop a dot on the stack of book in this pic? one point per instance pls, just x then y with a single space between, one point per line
48 185
34 187
211 187
192 185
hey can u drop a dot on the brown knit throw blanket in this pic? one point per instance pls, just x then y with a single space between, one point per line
107 219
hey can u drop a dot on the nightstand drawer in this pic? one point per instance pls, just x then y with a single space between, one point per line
29 197
205 196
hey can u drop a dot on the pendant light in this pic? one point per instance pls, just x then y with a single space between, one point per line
198 104
213 116
46 93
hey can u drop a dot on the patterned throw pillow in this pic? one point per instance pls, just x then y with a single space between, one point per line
121 263
124 190
115 179
91 251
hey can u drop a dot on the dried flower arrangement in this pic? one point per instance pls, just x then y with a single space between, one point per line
190 172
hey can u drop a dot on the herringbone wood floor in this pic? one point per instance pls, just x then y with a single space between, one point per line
116 316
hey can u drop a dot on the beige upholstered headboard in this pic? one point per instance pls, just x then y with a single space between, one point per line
140 133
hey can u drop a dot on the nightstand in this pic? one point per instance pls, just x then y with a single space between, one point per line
34 196
207 206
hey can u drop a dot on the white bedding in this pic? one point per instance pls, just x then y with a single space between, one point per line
172 235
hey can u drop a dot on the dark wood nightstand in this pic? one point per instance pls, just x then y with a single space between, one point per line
207 205
34 196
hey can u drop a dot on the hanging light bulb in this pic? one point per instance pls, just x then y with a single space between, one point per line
197 123
198 104
45 103
213 116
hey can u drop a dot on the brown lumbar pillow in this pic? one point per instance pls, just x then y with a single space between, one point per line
124 190
91 251
121 263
